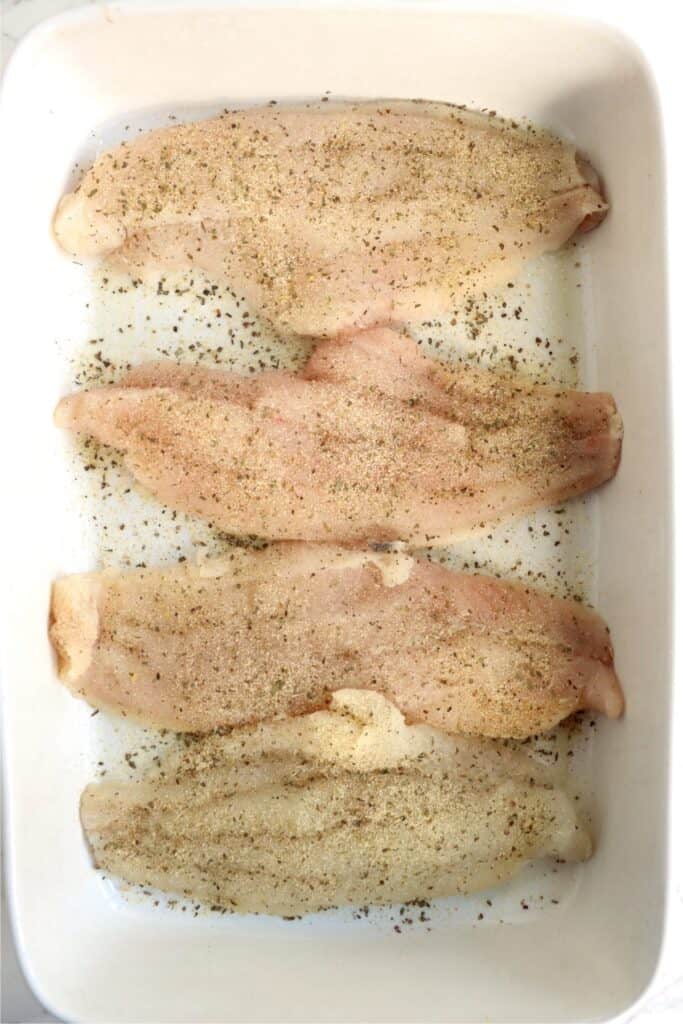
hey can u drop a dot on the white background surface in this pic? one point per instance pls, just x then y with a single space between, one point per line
655 30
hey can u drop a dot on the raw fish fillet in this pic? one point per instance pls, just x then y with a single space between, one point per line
334 216
346 806
372 441
262 634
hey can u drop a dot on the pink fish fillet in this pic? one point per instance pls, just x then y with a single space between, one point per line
335 216
266 634
372 441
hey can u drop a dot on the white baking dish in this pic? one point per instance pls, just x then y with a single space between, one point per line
91 955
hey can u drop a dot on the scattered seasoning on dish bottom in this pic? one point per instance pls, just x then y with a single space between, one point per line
193 321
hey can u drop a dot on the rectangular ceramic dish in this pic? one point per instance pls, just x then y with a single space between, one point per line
92 955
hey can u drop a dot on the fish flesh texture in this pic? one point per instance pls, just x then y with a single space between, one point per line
371 441
333 216
344 806
264 634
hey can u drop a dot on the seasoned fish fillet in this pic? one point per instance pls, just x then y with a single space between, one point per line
373 441
346 806
334 216
264 634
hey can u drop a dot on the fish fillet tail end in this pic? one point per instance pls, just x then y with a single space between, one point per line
74 625
82 231
604 693
72 412
66 412
592 180
616 431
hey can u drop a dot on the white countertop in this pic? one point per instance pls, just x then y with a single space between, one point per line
655 30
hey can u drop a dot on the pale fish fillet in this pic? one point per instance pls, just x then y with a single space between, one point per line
371 441
328 217
261 634
345 806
